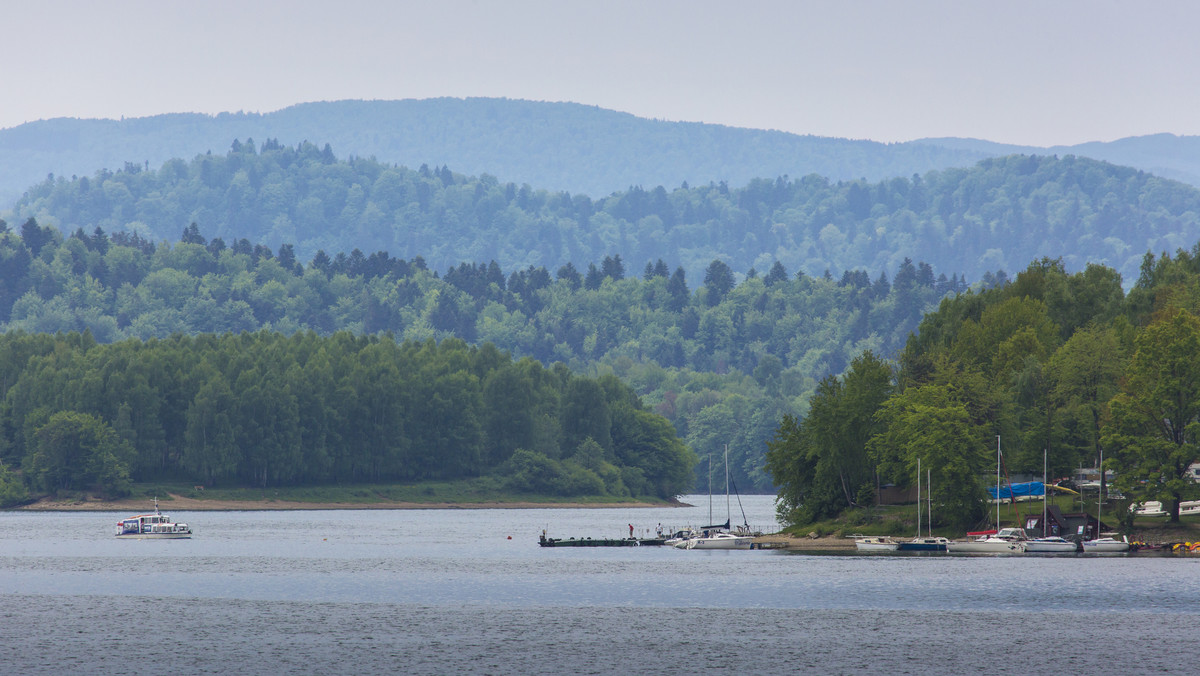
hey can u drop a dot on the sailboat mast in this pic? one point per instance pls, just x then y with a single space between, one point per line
929 495
710 488
1099 494
997 482
918 497
1045 494
728 514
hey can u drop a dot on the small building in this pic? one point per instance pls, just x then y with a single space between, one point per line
1069 526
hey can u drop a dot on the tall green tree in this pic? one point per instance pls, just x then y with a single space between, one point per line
929 426
77 451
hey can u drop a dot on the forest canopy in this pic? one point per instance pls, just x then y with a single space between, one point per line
263 409
721 359
999 214
1065 367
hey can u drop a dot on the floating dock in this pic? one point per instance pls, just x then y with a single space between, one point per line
599 542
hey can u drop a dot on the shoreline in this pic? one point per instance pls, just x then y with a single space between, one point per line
185 504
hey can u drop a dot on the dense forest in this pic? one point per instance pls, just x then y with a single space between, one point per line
1066 364
264 409
997 215
721 359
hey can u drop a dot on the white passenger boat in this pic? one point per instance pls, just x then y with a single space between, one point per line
156 526
1051 545
884 543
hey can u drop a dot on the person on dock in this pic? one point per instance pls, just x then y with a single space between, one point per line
630 531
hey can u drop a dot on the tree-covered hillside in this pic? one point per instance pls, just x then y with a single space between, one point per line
996 215
722 360
263 409
1055 365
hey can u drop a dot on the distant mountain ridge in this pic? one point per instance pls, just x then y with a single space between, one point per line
554 146
1165 155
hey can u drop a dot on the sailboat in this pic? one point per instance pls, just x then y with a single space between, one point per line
1103 545
919 543
712 537
1048 544
1001 541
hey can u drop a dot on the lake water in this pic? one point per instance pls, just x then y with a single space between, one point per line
447 591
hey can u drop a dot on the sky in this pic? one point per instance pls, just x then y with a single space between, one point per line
1025 72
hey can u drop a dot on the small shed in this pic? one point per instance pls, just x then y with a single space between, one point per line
1070 526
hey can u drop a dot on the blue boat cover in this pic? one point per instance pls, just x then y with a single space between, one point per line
1029 488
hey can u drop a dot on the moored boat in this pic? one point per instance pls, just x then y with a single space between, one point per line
718 537
717 540
924 544
882 543
1004 541
1106 545
156 526
1051 545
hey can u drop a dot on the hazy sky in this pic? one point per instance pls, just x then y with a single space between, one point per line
1030 72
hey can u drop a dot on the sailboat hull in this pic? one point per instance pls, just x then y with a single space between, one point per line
717 541
1051 546
934 544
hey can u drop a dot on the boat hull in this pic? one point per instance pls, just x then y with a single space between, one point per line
986 548
877 547
1105 547
920 547
730 542
929 544
154 536
1051 547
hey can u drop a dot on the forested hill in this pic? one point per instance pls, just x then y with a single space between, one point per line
999 214
265 409
720 359
1060 370
557 146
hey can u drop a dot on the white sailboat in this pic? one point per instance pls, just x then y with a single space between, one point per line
1002 541
875 543
1106 545
924 543
1048 544
712 538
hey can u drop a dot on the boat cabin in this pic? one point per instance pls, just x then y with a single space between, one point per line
151 523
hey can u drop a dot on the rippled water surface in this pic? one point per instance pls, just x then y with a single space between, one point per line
448 591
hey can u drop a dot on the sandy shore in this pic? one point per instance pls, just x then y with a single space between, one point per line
185 504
